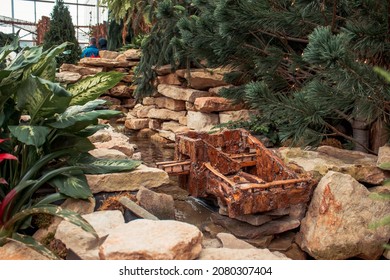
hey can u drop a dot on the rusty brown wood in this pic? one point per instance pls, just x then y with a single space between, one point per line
238 169
274 183
218 174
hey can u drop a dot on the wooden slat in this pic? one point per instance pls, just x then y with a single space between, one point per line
136 209
273 183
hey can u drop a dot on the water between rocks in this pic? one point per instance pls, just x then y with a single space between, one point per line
187 209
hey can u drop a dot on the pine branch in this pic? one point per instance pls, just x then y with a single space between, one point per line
298 40
338 132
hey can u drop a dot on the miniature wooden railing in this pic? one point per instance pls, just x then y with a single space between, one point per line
175 167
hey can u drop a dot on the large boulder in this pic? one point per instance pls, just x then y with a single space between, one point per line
359 165
337 223
143 175
152 240
84 244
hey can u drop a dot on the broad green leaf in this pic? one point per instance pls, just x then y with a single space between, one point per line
26 58
77 109
90 130
75 186
45 68
92 165
48 199
30 135
82 120
70 141
66 214
33 244
92 87
4 51
44 98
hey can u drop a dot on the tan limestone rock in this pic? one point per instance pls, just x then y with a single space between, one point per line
82 70
165 114
16 251
68 77
337 223
170 104
201 121
181 93
215 104
234 116
121 91
133 54
108 54
240 254
136 124
105 153
174 127
230 241
170 79
360 166
165 240
143 175
84 244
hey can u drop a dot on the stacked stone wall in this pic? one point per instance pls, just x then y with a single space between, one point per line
184 99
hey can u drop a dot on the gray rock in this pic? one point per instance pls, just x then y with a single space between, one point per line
230 241
244 230
337 223
152 240
159 204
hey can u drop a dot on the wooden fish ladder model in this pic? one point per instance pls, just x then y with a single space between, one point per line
239 170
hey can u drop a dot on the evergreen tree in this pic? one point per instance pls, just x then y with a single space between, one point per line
62 30
306 65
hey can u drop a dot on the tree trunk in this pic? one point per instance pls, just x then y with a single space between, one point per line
361 134
379 134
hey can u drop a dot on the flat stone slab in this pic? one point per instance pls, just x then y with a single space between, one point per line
247 231
143 175
84 244
240 254
152 240
359 165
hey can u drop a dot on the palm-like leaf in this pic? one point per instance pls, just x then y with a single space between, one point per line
30 135
65 214
92 87
92 165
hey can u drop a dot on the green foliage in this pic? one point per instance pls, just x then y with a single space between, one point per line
161 46
51 145
62 30
305 65
385 221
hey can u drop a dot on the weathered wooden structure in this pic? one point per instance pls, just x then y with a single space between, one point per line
239 170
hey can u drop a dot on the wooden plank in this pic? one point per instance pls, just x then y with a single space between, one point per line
273 184
136 209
